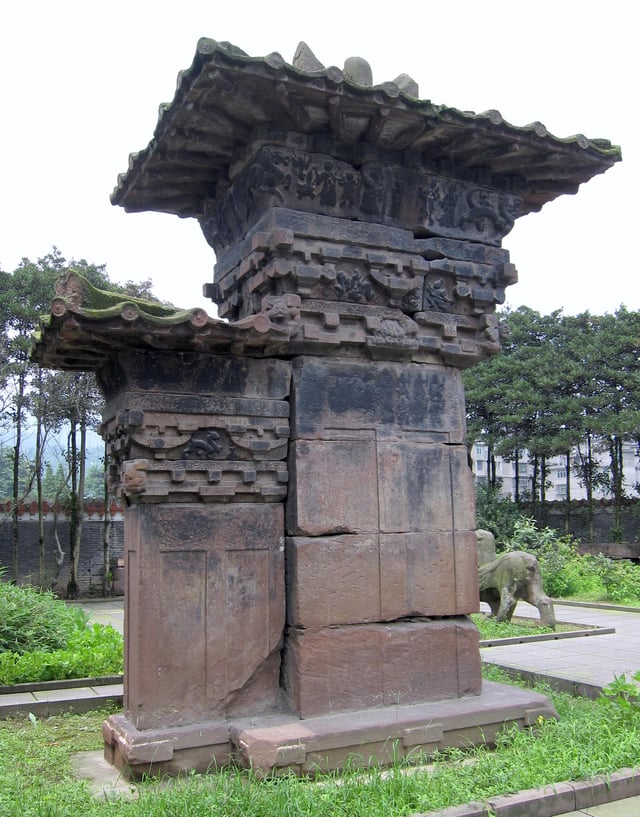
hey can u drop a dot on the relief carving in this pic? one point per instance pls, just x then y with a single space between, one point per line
353 287
203 445
436 296
134 478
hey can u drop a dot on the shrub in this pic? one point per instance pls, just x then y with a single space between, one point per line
620 578
564 571
32 619
496 514
90 652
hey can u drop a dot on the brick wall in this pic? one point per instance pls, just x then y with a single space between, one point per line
91 549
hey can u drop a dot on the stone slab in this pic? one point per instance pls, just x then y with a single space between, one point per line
394 399
205 611
358 579
199 374
336 669
375 735
367 485
281 742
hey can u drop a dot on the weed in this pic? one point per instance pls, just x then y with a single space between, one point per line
622 696
588 739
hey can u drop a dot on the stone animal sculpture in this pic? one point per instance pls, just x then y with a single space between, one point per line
510 577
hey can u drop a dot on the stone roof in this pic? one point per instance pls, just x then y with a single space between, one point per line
226 99
87 326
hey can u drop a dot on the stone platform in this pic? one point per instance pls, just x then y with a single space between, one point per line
366 737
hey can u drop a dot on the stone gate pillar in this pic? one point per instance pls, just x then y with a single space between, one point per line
301 551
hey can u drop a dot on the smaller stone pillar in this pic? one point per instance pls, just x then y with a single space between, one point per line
198 446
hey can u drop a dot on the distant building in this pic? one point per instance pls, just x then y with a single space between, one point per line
556 472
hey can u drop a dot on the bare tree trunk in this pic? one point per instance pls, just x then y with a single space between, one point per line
38 464
72 584
568 516
59 552
17 451
106 531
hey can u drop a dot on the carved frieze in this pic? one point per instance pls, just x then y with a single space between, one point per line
439 276
281 177
160 436
143 480
417 199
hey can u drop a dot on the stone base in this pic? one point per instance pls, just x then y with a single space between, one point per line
280 743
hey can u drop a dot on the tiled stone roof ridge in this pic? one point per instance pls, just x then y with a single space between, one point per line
225 97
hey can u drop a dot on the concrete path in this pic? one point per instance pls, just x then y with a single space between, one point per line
110 612
578 665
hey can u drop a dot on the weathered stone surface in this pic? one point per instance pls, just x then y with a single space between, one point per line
347 668
268 743
201 375
396 400
372 450
333 580
333 487
206 611
197 428
338 580
424 486
363 485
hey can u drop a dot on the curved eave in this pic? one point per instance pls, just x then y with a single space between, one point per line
226 95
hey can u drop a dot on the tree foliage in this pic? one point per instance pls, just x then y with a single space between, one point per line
43 402
564 383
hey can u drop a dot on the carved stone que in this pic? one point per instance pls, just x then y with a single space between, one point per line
300 534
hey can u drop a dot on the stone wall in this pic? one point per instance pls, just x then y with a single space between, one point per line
91 555
577 521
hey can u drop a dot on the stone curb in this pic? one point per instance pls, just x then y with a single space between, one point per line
531 639
575 688
67 683
551 800
596 605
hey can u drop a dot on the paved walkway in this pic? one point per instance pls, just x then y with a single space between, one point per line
583 665
105 612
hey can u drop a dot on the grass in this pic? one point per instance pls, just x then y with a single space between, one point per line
491 629
36 778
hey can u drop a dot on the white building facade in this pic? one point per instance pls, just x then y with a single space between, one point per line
556 476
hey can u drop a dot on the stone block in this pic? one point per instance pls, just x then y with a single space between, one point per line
332 580
424 486
206 611
466 572
358 579
417 575
356 667
392 399
332 487
201 374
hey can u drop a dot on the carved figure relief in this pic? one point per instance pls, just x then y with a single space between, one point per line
353 287
436 297
203 445
134 477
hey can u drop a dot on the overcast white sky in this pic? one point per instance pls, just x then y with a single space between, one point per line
82 81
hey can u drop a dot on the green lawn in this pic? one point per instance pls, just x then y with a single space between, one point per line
36 778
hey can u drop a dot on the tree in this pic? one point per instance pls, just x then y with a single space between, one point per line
563 383
45 399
